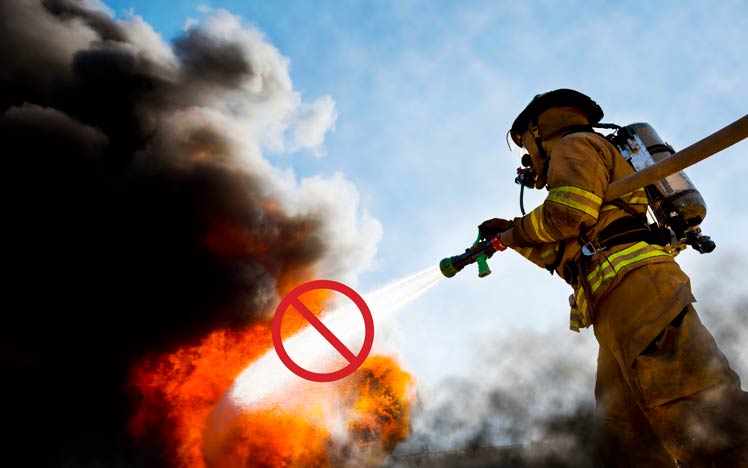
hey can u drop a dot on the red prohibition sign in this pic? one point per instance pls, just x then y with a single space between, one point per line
292 299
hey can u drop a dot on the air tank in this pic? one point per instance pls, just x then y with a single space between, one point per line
675 201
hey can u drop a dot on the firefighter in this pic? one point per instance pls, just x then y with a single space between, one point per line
665 393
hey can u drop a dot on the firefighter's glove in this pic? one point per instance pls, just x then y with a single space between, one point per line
491 227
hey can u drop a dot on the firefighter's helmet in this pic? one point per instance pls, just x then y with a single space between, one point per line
557 98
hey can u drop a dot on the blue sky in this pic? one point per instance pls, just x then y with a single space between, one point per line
425 92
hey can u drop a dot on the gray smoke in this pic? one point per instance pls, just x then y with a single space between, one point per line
723 306
525 388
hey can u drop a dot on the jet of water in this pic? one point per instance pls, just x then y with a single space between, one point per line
268 375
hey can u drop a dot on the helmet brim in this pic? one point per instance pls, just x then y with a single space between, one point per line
558 98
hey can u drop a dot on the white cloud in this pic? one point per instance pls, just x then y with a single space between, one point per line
311 123
205 9
190 23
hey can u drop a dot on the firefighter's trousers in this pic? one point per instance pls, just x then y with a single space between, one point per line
665 392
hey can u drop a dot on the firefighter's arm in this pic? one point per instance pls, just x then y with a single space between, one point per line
538 255
542 255
578 176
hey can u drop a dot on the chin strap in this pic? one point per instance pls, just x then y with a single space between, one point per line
541 151
538 139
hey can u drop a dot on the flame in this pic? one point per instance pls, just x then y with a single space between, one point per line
177 391
356 421
382 396
180 396
269 438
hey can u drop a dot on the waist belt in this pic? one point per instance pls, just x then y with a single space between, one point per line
621 231
626 230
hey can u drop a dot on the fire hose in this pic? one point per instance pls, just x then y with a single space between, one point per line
483 249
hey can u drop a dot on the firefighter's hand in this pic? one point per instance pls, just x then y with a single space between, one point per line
491 227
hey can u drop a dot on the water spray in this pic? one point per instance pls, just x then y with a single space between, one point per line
268 376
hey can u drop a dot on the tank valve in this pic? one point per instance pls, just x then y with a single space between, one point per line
701 243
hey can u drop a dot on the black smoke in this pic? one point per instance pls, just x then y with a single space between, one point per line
125 231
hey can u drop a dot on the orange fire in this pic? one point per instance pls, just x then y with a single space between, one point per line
381 395
177 391
356 421
353 422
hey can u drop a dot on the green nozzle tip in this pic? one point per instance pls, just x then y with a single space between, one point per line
447 268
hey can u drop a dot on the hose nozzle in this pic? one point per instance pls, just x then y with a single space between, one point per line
447 267
479 253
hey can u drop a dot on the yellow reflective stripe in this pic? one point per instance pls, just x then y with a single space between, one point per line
614 265
579 315
608 269
536 219
524 251
637 197
581 192
574 323
619 260
576 198
548 252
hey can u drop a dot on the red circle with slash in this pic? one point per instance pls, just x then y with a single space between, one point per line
354 360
